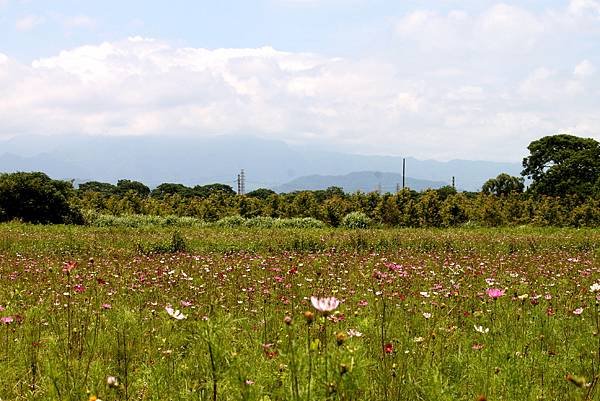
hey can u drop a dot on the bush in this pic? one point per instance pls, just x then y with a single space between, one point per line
175 245
299 222
231 221
140 220
356 220
260 222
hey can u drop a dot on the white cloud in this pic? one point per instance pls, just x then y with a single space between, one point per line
28 22
450 85
79 22
584 69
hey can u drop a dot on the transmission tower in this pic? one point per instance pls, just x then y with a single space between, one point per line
242 183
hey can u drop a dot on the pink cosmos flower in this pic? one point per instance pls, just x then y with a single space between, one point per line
106 306
7 320
494 293
578 311
69 266
388 348
325 305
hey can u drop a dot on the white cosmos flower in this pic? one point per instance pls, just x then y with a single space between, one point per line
354 333
481 330
325 305
595 287
176 314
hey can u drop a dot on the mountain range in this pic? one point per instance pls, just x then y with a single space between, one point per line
197 161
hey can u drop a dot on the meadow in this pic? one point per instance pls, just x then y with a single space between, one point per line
213 313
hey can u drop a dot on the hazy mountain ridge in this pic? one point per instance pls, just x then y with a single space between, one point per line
191 161
364 181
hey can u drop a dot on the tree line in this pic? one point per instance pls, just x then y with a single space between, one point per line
563 172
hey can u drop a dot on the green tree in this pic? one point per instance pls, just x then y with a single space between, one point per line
36 198
334 209
261 193
503 185
167 188
204 191
103 188
454 210
563 164
428 209
124 186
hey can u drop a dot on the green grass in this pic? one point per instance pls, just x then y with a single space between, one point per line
415 295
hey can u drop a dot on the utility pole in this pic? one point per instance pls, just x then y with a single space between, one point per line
403 172
239 183
453 186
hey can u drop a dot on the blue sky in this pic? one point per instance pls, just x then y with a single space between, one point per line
433 79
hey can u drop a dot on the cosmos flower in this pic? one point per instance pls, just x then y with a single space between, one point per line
69 266
325 305
112 382
7 320
481 329
494 293
175 314
354 333
595 287
578 311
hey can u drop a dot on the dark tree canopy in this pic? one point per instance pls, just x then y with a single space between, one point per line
563 164
170 189
95 186
204 191
261 193
503 184
36 198
124 186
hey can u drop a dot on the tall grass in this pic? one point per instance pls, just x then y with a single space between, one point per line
84 314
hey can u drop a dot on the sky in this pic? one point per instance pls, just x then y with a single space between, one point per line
471 79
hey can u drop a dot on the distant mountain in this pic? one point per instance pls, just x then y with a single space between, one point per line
192 161
364 181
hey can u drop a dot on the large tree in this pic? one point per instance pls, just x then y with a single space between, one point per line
503 184
563 164
36 198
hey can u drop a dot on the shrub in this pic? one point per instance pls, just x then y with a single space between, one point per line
231 221
260 222
299 222
356 220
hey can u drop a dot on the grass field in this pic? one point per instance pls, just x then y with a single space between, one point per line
469 314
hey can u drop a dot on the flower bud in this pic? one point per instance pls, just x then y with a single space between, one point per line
309 316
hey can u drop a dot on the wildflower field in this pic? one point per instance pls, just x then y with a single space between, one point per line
298 314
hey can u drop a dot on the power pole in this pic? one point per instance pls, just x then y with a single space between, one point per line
453 186
239 183
397 187
403 172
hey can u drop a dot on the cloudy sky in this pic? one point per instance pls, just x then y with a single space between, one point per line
444 79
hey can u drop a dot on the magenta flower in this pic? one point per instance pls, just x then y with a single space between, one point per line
7 320
325 305
494 293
